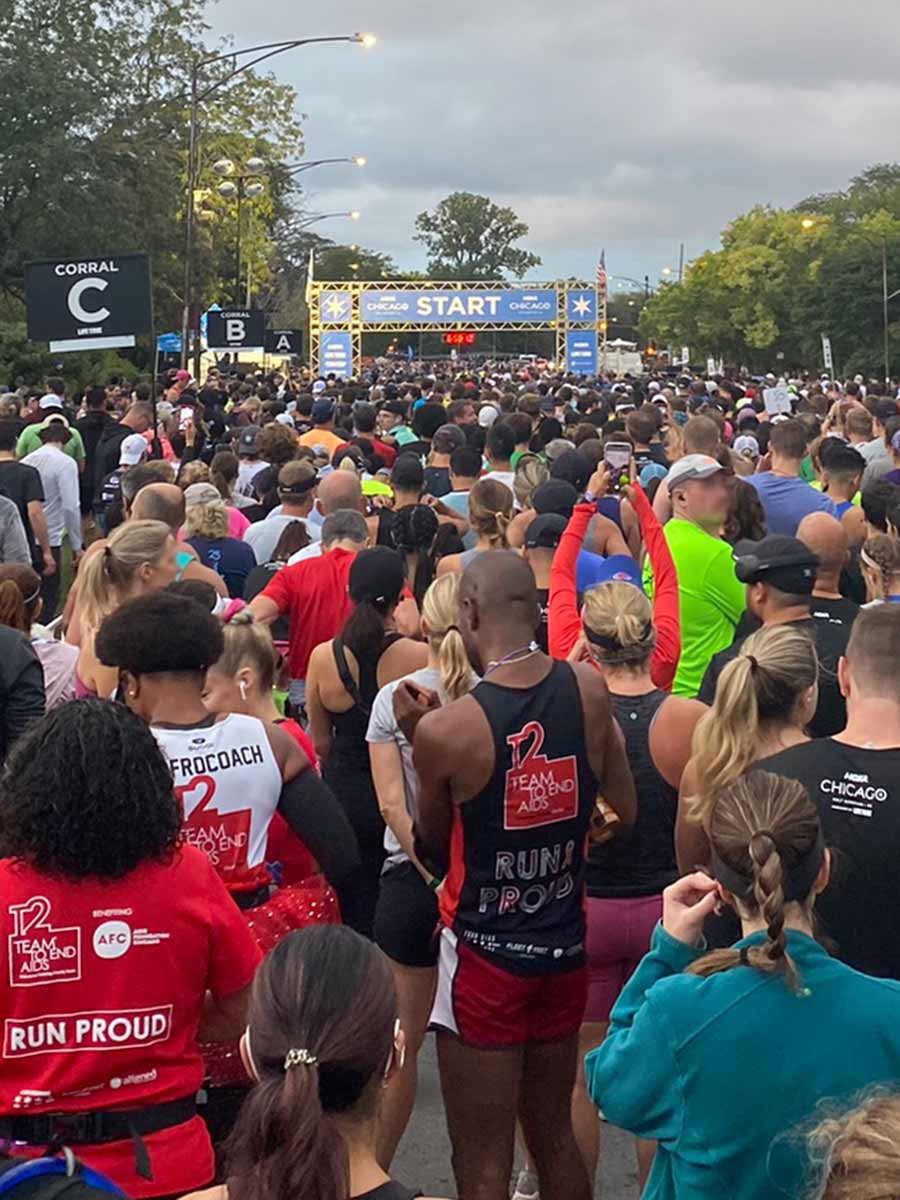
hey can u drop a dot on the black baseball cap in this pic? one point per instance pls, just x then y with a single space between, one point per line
545 531
572 467
554 496
377 575
247 440
784 562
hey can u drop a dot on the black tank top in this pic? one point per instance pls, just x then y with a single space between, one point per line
389 1191
516 886
642 863
347 770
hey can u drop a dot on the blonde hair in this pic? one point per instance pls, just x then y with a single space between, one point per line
761 825
620 612
440 611
491 507
859 1153
206 520
248 644
193 472
531 472
881 553
105 579
763 683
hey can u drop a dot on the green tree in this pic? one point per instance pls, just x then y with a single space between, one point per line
470 237
93 159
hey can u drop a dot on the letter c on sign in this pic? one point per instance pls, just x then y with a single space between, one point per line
235 330
74 301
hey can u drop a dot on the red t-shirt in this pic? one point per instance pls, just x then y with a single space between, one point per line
313 595
388 453
102 991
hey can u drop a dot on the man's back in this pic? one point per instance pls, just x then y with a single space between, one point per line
831 639
313 594
711 598
857 792
787 500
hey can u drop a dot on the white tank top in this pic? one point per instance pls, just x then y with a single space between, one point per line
229 783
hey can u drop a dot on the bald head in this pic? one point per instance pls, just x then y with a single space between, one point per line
827 539
160 502
498 589
340 489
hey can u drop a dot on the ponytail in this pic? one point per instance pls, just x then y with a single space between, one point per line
105 579
766 840
320 1036
440 612
12 607
773 668
364 628
724 743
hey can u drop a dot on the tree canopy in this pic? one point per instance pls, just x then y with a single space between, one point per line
783 277
470 237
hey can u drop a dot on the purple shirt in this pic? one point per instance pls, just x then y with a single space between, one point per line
787 501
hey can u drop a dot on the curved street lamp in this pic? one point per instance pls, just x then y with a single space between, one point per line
259 54
357 161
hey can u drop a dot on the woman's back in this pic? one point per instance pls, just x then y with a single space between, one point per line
643 863
736 1061
123 966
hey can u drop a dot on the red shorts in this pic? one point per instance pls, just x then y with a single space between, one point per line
492 1008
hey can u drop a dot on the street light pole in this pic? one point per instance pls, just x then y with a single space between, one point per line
358 161
262 52
886 297
354 216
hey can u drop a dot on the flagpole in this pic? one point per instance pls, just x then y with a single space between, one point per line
602 307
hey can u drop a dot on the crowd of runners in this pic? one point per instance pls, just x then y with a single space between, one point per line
557 717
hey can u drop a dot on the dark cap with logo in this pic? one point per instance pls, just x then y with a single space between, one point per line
544 532
247 440
554 496
782 561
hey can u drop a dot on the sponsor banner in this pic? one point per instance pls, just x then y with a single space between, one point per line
581 306
334 308
336 355
445 306
581 352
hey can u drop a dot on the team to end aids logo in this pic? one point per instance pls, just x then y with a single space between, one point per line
39 952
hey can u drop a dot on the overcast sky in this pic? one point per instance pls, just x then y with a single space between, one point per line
635 126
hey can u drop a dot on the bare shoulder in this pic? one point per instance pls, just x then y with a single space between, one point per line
591 684
213 1193
450 726
450 562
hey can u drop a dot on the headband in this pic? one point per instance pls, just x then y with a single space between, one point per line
613 643
797 881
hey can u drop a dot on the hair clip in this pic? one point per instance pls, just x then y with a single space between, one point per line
302 1057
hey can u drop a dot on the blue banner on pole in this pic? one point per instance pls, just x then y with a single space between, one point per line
446 306
581 351
334 308
169 343
581 305
336 355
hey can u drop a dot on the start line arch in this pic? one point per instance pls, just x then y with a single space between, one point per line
340 313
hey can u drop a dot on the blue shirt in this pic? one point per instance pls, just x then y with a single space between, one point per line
722 1070
787 500
228 557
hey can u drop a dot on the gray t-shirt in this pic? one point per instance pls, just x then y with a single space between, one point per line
384 728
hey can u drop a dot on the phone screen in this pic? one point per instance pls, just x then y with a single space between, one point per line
617 456
185 417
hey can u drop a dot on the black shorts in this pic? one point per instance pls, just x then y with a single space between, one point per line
406 917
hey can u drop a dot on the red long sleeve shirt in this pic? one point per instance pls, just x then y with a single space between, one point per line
564 620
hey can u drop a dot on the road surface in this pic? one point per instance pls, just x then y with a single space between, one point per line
423 1159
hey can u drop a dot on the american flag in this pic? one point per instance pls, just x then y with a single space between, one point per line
601 276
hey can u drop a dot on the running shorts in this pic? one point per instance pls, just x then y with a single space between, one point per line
491 1008
406 917
618 937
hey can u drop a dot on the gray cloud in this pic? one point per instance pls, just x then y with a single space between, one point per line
633 126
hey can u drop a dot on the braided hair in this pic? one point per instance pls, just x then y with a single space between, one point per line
761 826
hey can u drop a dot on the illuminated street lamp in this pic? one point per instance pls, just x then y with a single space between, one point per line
257 54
